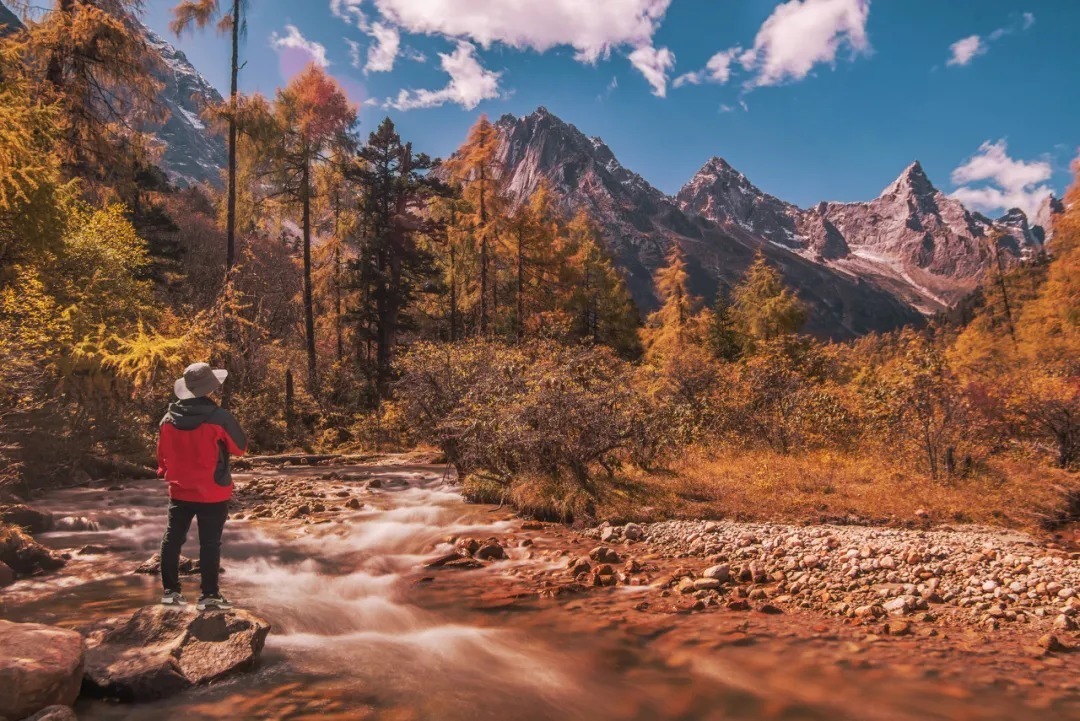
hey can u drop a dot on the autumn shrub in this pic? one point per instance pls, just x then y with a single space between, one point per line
566 414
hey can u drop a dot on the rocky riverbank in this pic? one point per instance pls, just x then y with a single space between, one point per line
977 577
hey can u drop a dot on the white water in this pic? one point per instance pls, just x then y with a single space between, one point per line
337 595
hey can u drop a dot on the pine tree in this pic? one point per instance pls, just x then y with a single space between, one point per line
313 117
600 303
764 308
391 266
474 167
31 213
671 327
723 338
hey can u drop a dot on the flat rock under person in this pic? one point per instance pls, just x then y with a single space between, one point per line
195 442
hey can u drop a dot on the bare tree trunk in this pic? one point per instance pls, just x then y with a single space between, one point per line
520 286
337 280
289 417
309 310
230 207
453 294
1004 289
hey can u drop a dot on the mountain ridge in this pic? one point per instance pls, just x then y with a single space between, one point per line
912 243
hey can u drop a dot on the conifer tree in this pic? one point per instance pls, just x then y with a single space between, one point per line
723 338
312 117
600 303
764 308
474 167
671 327
392 267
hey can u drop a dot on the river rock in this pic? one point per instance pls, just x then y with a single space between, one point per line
443 560
603 554
40 666
30 520
721 572
152 566
490 551
7 576
633 532
24 555
54 713
159 651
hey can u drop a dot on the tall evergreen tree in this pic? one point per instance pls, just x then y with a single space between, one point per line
600 302
671 327
723 338
764 308
474 166
313 117
392 267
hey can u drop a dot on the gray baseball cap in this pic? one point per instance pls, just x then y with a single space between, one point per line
199 380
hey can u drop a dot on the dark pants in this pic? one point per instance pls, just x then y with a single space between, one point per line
211 522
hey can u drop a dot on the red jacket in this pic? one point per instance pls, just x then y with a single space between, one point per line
195 442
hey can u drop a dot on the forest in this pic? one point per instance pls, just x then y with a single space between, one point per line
365 296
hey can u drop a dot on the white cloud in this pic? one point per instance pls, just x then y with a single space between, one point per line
384 50
354 52
803 33
293 40
717 70
654 64
611 87
965 50
469 83
414 54
591 27
349 11
1010 183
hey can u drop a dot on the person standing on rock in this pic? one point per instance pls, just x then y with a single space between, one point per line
195 442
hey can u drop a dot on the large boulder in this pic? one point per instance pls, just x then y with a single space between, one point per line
25 556
40 666
161 650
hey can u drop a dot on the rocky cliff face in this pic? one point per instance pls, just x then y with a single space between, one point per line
192 153
720 236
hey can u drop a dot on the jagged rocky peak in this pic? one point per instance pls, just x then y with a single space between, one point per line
913 181
1014 217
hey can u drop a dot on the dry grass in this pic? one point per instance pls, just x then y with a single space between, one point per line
826 486
809 487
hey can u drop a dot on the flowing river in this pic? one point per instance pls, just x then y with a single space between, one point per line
362 631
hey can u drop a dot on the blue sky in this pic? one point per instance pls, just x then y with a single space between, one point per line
811 99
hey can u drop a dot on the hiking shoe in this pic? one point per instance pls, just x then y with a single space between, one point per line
172 598
213 602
